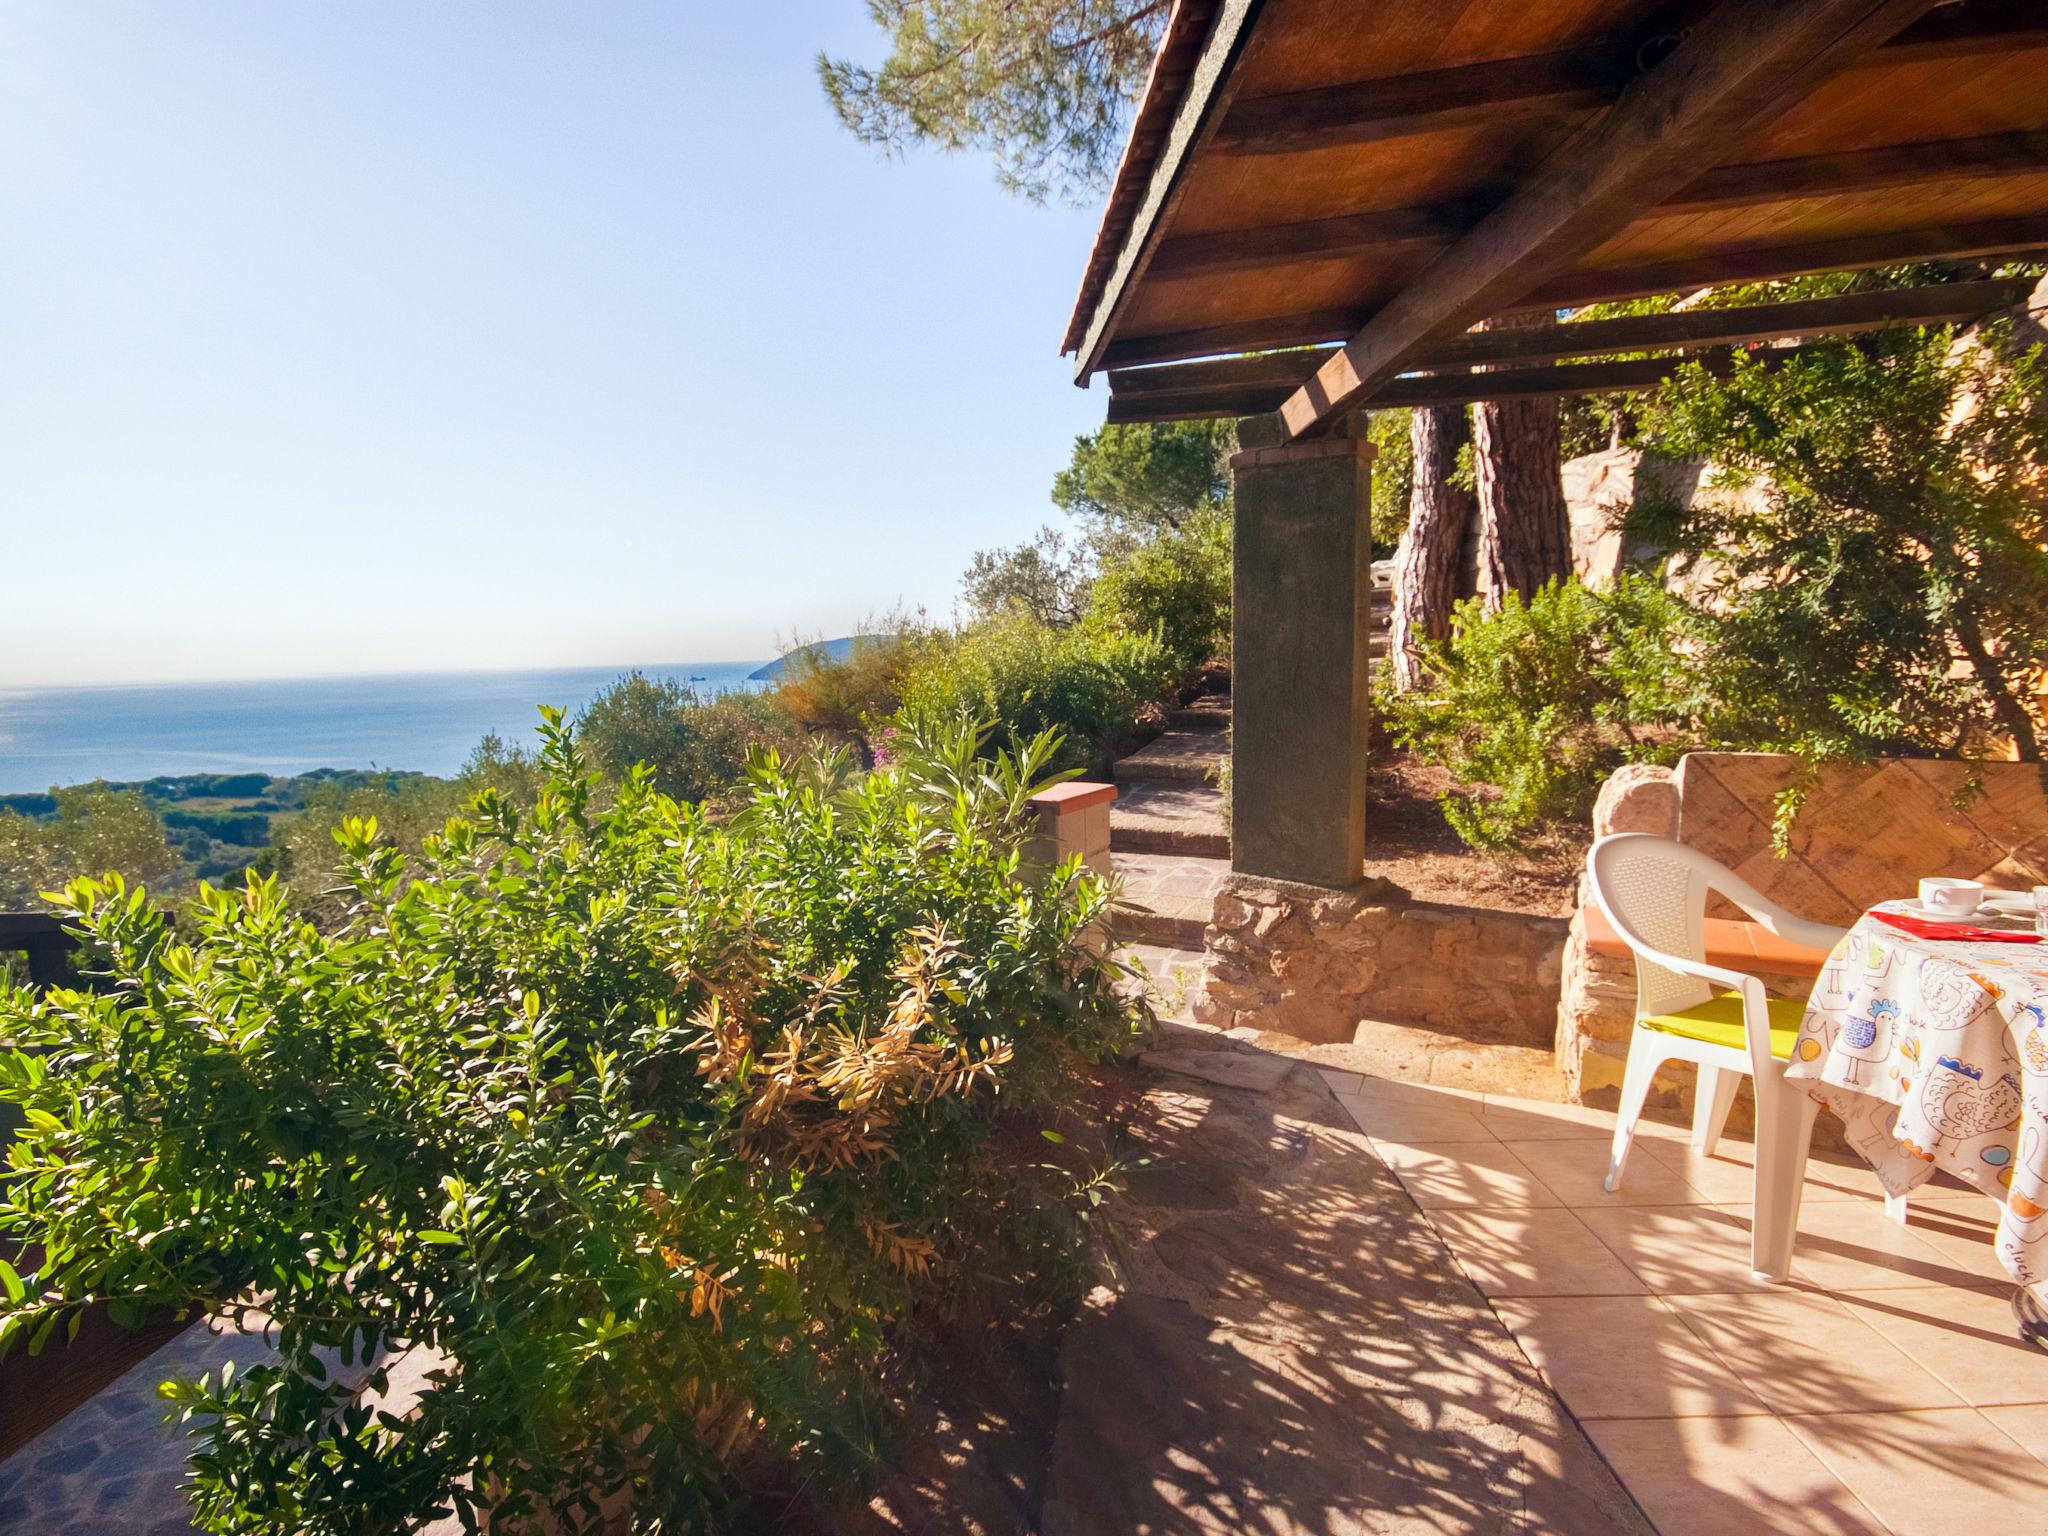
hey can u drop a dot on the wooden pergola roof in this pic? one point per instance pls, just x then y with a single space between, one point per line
1385 174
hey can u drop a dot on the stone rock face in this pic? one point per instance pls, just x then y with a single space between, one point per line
1315 963
1640 797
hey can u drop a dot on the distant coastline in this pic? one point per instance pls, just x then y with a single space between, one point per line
414 722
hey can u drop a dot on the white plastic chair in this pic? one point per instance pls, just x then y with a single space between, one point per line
1654 892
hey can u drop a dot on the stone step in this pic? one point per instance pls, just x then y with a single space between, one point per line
1186 756
1171 979
1209 712
1170 897
1162 816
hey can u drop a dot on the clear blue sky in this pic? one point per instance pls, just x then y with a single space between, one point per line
368 337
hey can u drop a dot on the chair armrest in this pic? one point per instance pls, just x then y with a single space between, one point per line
1799 930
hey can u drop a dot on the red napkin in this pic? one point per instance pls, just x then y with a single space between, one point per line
1922 929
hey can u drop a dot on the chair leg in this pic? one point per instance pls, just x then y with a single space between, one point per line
1712 1099
1636 1080
1784 1131
1895 1207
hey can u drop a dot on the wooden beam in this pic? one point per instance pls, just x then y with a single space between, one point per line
1429 100
1204 100
1578 80
1845 314
1764 263
1740 67
1354 234
1732 186
1258 368
1571 379
1301 329
1863 170
1466 388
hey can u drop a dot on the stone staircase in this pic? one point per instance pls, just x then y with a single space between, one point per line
1166 834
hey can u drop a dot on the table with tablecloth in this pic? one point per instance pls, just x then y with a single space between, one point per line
1934 1052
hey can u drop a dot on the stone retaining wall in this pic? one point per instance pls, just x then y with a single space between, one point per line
1314 963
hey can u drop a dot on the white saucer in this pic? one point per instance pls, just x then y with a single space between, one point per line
1929 914
2011 903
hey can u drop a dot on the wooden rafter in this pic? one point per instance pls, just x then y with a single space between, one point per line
1840 315
1575 80
1739 67
1763 263
1463 388
1730 186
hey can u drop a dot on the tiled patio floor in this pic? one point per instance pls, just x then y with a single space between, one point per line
1881 1390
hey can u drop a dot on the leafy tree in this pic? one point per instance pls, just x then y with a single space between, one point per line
1043 86
93 831
1881 586
1131 483
1393 476
1176 587
696 748
1046 578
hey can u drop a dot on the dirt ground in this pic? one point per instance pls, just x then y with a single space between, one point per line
1408 842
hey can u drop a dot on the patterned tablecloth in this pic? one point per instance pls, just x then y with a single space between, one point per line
1935 1054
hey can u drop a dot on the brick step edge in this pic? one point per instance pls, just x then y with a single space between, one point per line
1159 929
1198 719
1157 771
1200 845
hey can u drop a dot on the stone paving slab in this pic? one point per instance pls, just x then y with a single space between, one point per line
1188 756
112 1466
1176 893
1166 817
1288 1347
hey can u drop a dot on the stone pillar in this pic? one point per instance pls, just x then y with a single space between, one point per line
1299 685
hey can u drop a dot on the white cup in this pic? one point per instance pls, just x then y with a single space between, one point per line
1956 898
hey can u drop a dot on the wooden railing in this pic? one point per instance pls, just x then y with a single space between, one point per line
35 1392
42 938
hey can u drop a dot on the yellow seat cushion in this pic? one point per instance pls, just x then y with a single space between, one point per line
1718 1021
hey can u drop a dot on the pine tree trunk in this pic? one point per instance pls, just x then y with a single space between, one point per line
1439 515
1525 535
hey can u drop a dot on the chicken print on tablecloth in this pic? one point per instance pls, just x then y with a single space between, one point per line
1960 1104
1867 1038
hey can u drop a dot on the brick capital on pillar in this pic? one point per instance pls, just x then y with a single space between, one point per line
1301 697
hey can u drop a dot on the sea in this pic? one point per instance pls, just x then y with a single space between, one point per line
427 722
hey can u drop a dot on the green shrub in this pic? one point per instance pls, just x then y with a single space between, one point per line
696 747
845 700
1087 683
1177 586
1539 702
656 1130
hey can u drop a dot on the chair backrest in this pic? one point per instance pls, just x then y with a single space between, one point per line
1654 892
